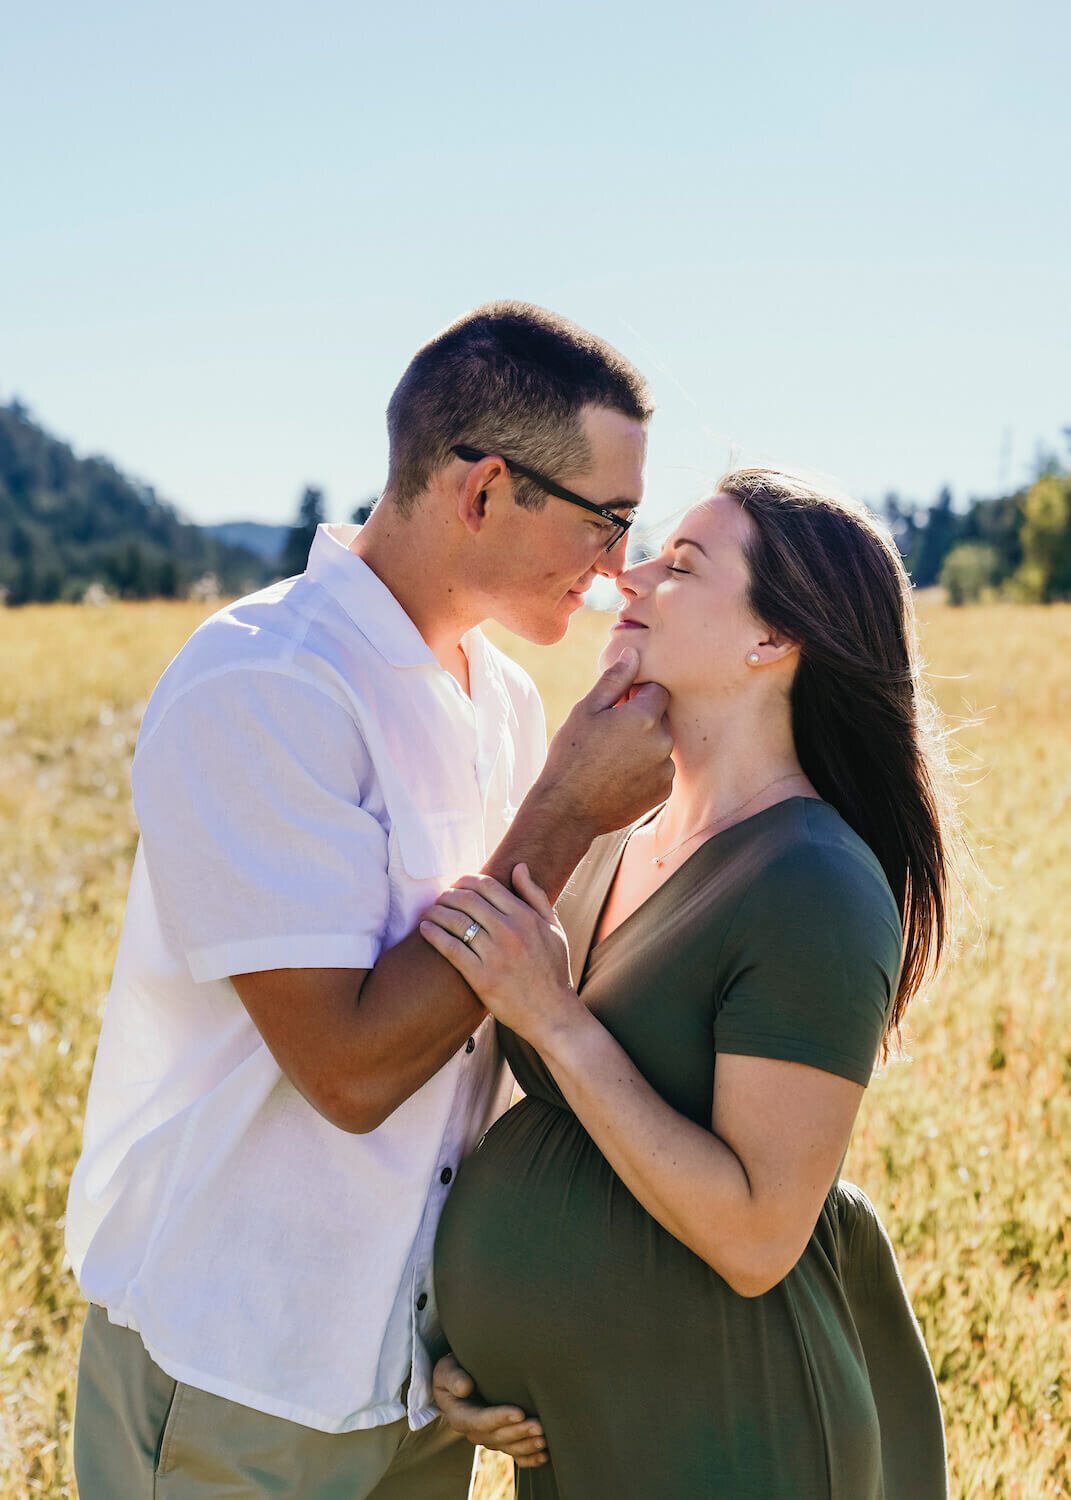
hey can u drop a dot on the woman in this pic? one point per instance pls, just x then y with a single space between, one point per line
652 1250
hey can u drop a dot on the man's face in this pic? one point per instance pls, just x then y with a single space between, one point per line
549 558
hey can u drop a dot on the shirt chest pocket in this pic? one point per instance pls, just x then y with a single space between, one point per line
436 846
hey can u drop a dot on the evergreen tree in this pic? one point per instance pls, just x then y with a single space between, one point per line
902 522
934 541
364 510
997 524
310 515
22 586
167 579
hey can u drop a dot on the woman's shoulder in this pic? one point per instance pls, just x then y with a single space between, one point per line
809 965
812 866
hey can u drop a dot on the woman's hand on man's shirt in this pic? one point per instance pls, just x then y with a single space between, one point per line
503 1428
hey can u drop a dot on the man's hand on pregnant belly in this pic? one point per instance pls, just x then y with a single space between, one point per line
503 1428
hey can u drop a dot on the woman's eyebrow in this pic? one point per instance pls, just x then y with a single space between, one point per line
684 541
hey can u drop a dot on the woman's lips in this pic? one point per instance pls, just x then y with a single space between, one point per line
629 625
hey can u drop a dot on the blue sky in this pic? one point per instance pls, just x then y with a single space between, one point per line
833 236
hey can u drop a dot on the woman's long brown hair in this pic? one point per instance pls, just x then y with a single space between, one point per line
826 574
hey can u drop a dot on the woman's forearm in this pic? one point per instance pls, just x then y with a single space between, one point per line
745 1194
684 1175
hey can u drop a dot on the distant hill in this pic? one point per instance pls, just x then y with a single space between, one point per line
266 542
67 522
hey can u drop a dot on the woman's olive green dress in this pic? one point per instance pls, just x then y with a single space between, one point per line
653 1379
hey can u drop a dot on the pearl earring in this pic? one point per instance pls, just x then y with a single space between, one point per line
754 658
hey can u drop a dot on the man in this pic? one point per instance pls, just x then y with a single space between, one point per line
288 1076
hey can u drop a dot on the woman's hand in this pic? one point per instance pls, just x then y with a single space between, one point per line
506 1429
518 960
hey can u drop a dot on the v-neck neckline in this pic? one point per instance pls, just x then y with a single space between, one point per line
615 865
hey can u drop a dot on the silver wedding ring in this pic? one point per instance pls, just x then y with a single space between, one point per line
470 932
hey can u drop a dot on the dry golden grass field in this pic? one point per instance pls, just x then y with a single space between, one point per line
964 1148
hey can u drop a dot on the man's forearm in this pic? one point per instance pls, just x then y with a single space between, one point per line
547 838
358 1043
414 1010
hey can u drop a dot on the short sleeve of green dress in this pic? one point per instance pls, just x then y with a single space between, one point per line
559 1292
811 958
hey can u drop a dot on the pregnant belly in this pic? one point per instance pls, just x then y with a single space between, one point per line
518 1245
543 1254
560 1293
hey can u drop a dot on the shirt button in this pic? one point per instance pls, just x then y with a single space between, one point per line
422 1301
445 1175
470 1045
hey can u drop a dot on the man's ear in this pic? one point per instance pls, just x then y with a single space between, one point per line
485 482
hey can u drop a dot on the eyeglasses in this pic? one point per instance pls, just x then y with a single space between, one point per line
619 522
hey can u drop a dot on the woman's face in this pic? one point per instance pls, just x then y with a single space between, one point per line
685 611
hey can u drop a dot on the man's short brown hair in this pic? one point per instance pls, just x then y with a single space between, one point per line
507 378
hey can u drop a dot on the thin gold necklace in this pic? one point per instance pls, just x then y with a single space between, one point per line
660 859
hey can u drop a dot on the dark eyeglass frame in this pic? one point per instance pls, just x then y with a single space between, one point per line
620 523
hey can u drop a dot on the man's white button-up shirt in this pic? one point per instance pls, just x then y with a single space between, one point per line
306 780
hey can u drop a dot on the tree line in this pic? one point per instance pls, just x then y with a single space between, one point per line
1016 547
68 522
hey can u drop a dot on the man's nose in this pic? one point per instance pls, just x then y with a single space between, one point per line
613 563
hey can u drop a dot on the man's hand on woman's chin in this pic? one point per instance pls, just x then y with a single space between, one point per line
610 761
503 1428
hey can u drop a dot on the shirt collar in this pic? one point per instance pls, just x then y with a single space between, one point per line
487 687
365 598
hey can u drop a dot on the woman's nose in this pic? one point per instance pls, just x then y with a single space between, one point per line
631 580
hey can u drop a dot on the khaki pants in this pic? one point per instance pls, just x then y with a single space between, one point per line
139 1435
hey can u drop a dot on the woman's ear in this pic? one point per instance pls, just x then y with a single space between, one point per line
771 648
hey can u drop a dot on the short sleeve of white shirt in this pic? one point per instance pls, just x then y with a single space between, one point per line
248 791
